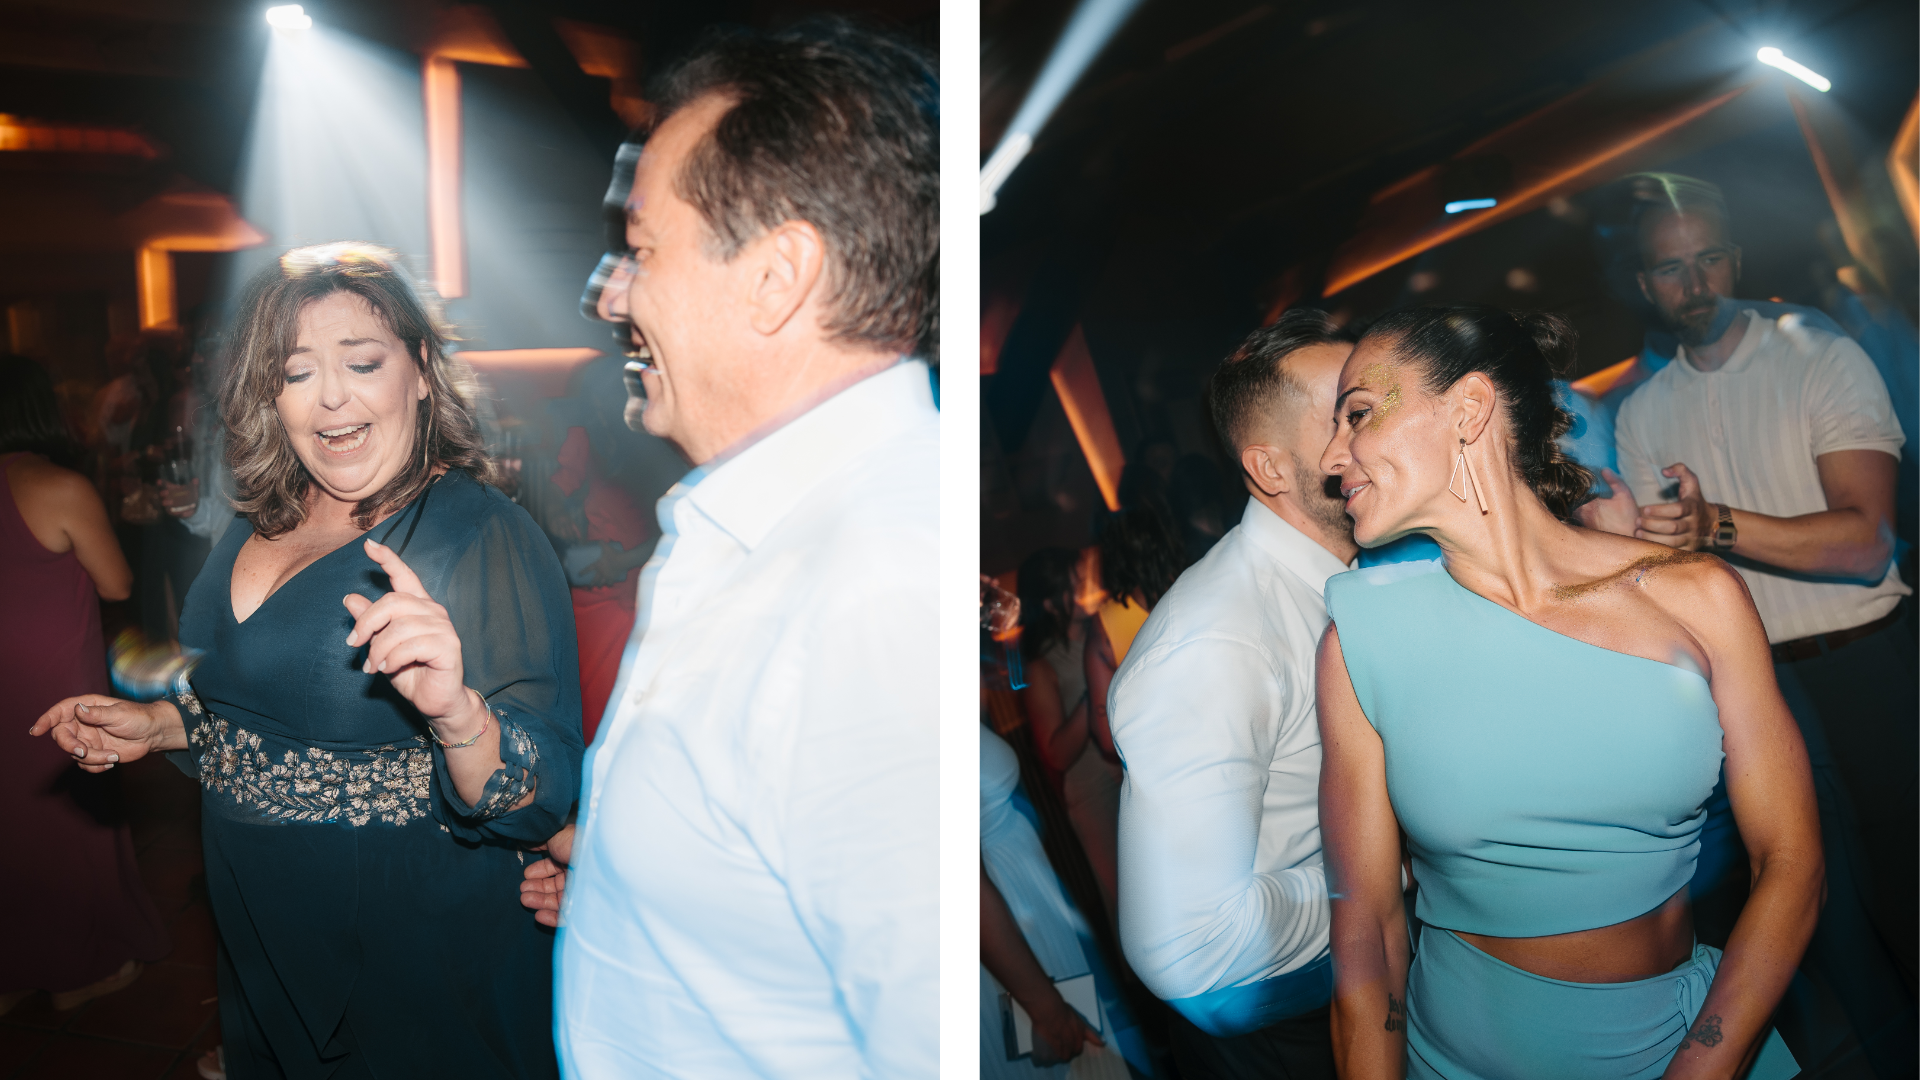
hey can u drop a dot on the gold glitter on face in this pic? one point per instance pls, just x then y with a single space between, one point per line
1377 375
1634 573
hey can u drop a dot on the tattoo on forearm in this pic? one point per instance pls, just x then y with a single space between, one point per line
1397 1014
1706 1032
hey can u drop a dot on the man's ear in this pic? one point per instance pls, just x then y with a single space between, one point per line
1268 468
785 266
1477 400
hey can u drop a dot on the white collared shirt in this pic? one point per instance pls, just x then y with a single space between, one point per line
1751 430
754 889
1221 882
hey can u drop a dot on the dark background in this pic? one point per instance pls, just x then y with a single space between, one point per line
1208 168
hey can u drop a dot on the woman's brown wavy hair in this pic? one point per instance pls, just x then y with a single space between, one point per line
269 482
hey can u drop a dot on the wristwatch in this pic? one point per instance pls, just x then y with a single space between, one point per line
1724 534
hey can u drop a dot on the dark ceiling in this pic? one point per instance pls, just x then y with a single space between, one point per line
1220 156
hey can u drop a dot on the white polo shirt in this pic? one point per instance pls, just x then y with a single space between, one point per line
1221 882
1751 431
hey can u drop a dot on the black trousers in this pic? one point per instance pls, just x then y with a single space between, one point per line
1299 1048
1858 708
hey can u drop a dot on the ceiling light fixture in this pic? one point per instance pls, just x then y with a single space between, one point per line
1471 204
1775 58
288 17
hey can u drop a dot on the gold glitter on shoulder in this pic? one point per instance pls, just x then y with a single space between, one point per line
1634 573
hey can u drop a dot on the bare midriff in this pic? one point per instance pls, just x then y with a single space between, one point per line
1640 948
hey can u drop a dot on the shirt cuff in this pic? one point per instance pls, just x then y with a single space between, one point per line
512 782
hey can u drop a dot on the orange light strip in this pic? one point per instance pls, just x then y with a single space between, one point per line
28 135
1078 385
440 83
1602 382
159 306
1520 201
488 359
1903 164
1859 245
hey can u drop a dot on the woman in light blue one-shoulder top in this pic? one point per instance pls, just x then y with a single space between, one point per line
1542 714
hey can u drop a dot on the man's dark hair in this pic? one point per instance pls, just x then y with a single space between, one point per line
30 417
1254 379
836 125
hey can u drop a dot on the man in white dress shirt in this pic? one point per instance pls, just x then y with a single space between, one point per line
751 889
1774 443
1223 898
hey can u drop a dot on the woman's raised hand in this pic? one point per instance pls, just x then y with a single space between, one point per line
411 640
101 731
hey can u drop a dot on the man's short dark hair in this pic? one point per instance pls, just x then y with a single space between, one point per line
836 125
1254 381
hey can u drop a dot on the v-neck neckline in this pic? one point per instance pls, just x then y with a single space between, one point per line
394 518
1545 629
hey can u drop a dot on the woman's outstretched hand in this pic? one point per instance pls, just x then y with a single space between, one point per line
101 731
411 640
545 882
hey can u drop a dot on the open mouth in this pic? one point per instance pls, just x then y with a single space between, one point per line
634 347
1352 493
344 440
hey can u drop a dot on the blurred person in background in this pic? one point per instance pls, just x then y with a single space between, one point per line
1032 939
1774 443
754 872
1139 560
1053 642
1624 207
386 715
574 485
1224 908
79 920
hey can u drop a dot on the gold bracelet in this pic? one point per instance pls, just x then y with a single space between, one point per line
486 722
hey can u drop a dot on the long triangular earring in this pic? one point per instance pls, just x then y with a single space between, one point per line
1459 462
1473 482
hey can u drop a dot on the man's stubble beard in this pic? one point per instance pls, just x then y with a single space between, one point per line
1322 502
1693 330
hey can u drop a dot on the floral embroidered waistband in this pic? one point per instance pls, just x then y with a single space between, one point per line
273 780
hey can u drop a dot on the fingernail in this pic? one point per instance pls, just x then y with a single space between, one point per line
80 753
79 708
113 757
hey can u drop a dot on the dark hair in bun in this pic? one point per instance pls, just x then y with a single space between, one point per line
1522 354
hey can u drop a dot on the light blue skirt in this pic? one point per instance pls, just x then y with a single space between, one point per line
1472 1017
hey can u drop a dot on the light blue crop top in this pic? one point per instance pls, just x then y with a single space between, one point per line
1546 785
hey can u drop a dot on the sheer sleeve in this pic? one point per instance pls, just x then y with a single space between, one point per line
509 603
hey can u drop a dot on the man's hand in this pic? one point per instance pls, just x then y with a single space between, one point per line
1058 1032
1618 514
180 500
1683 523
545 882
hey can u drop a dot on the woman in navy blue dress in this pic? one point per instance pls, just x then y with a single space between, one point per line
387 716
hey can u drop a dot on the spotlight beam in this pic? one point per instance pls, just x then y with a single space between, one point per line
1773 57
1093 24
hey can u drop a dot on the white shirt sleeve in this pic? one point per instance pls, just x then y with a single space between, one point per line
1197 726
1848 405
860 819
1637 466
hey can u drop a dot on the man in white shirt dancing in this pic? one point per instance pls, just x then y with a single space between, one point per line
752 888
1223 899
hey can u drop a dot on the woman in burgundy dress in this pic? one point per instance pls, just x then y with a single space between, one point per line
86 922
